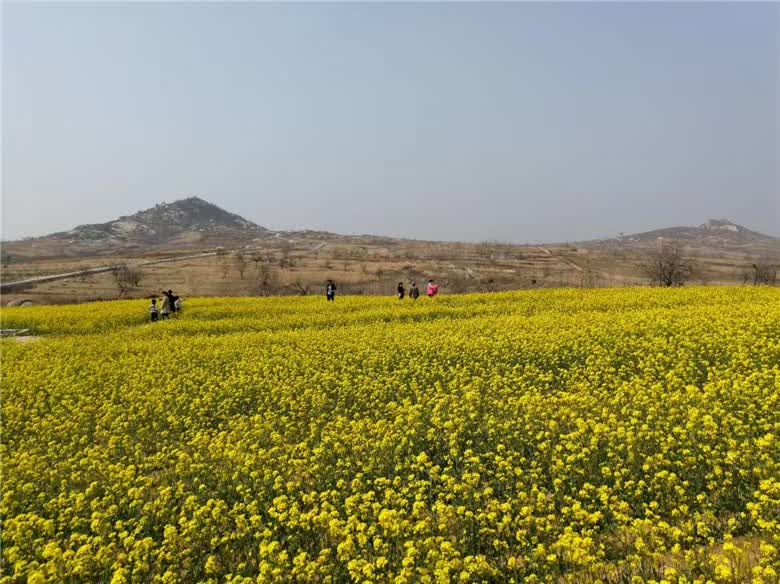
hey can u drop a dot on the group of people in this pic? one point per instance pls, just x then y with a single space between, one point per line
414 292
171 304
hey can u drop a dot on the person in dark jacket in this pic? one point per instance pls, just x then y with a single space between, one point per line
401 291
414 291
330 291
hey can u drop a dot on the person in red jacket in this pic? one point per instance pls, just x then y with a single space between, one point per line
433 289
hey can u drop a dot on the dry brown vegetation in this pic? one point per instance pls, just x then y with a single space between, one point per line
301 264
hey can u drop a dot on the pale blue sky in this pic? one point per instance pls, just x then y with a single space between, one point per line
465 121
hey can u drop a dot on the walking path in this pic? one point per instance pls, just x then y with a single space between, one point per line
27 282
562 258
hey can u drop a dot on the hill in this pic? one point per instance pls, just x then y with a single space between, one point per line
162 223
199 249
193 220
714 231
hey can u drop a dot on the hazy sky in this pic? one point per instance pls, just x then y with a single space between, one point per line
460 121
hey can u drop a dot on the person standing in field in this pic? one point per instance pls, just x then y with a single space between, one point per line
433 289
171 301
401 291
165 309
414 291
153 310
330 291
177 304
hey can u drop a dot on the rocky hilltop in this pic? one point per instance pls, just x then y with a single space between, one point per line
713 232
164 222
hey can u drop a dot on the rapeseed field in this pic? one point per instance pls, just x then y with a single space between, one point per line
625 435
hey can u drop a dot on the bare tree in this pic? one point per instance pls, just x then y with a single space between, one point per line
301 288
126 278
264 282
222 255
257 258
455 283
762 273
488 284
668 265
489 250
284 261
122 284
135 275
240 261
588 276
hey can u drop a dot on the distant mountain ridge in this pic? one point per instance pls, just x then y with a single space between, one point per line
162 223
193 219
713 231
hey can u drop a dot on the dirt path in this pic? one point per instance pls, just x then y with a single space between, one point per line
178 258
18 335
468 271
562 258
20 285
23 284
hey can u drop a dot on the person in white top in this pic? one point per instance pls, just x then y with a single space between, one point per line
165 309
